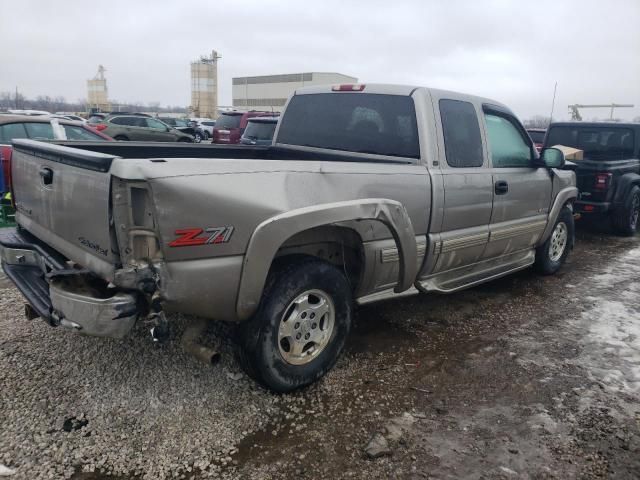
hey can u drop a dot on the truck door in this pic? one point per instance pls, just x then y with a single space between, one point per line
521 191
467 182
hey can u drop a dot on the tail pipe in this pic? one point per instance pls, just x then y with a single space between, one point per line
191 344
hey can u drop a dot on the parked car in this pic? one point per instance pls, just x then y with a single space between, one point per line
537 135
205 124
96 118
259 131
230 125
609 174
71 116
140 128
185 126
349 208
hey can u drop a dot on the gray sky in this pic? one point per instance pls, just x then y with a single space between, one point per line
504 50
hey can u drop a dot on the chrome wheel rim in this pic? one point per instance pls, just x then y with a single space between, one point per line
306 327
558 241
635 209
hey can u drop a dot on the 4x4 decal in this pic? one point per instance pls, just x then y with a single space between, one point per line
188 237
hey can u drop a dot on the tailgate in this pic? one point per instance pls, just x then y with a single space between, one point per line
62 196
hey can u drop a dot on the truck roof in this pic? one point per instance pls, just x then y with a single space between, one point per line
395 89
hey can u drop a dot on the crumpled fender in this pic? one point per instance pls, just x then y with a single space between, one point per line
269 236
565 195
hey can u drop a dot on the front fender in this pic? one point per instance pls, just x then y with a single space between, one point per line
565 195
273 232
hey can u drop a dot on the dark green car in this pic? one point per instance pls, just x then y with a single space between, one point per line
140 128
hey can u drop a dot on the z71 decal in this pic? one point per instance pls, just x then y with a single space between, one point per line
188 237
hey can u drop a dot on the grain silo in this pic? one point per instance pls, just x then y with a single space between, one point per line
97 93
204 86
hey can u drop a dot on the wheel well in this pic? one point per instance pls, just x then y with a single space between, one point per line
339 246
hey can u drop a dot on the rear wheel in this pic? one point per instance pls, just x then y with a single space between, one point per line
301 326
552 254
121 138
625 218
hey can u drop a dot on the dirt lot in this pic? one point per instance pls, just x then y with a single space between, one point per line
526 377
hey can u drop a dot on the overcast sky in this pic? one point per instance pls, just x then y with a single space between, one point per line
512 51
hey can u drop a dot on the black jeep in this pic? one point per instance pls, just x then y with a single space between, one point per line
609 174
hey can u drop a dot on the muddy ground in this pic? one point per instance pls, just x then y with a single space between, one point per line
524 377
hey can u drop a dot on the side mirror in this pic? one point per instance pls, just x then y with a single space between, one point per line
552 158
167 129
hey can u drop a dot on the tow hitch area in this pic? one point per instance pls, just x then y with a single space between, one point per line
62 296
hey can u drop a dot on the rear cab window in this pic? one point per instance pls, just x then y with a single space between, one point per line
352 122
597 143
9 131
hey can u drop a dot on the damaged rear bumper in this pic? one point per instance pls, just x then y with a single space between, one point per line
72 299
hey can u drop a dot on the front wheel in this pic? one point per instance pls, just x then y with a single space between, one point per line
625 218
552 254
197 138
300 327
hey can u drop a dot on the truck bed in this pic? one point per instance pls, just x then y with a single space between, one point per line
195 150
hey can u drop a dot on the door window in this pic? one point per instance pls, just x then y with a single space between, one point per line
462 142
507 144
39 131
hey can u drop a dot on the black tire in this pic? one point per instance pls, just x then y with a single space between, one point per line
121 138
625 218
197 137
547 260
259 350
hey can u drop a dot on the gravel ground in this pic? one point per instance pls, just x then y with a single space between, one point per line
526 377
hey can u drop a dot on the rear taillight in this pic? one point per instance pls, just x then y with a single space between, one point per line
349 87
100 127
5 158
603 180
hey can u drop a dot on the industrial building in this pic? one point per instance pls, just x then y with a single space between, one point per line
97 93
270 92
204 86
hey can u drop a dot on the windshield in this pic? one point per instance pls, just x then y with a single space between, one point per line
260 130
95 119
228 121
598 143
353 122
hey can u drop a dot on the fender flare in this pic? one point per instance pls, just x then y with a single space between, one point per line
269 236
565 195
624 185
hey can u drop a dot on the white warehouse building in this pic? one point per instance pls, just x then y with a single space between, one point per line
270 92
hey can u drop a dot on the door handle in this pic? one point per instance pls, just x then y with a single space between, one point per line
47 175
501 187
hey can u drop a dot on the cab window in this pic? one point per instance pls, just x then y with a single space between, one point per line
507 144
462 141
10 131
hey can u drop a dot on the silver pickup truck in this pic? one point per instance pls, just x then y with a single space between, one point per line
367 192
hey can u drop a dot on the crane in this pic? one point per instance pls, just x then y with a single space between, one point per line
575 113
